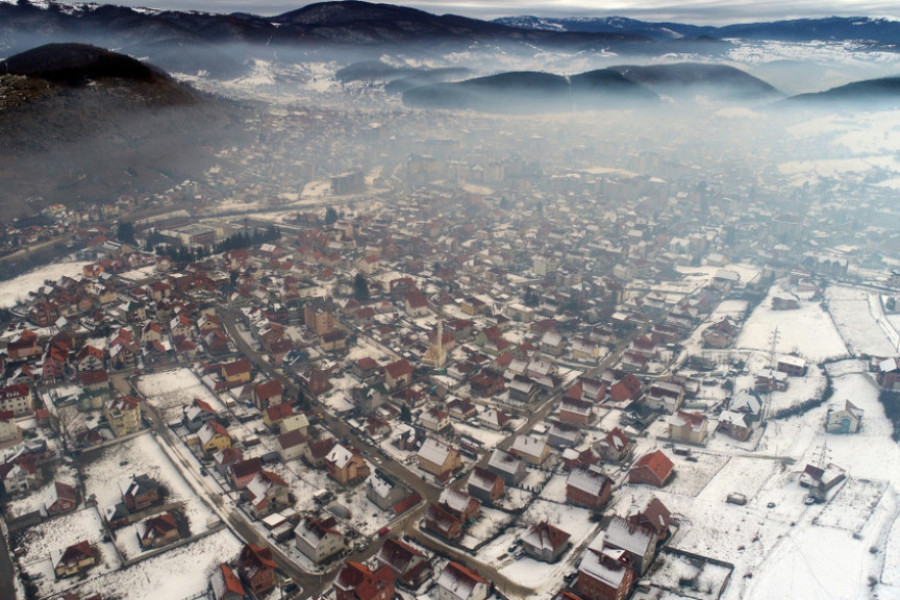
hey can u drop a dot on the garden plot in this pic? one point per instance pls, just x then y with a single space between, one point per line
35 500
58 534
171 390
808 331
741 474
691 477
852 312
182 572
485 528
852 506
694 578
105 469
534 479
540 576
555 489
488 437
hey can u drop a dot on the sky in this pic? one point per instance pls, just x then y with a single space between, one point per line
700 12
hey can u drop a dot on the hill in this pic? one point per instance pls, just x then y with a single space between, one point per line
720 81
81 123
526 92
874 94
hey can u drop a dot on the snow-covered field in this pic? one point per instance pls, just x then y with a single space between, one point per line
58 534
13 290
142 455
178 573
807 331
852 309
169 391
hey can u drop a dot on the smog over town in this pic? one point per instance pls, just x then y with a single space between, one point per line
449 301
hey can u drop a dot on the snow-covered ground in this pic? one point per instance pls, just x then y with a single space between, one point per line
169 391
142 455
852 309
17 288
807 331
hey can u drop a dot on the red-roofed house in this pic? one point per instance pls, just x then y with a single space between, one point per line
654 469
356 581
268 394
256 568
456 582
398 373
224 584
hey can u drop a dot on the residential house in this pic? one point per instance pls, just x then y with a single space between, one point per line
291 444
60 498
494 419
848 420
664 396
275 415
627 389
157 531
224 584
545 542
317 451
123 415
688 427
356 581
615 446
508 466
243 471
457 582
604 574
576 411
589 487
736 425
268 394
73 560
438 458
531 448
639 542
346 465
237 372
654 468
564 435
398 373
461 409
139 492
318 540
385 492
197 414
90 358
441 522
655 517
434 419
410 566
314 382
213 438
17 399
485 485
256 568
266 493
459 504
19 475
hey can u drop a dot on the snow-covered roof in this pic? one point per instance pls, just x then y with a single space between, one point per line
434 451
622 534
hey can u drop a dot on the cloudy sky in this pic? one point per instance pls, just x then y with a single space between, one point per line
718 12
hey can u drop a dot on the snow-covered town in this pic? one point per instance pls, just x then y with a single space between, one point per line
378 352
389 403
